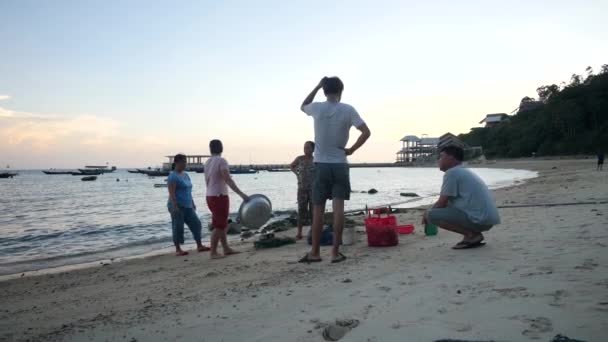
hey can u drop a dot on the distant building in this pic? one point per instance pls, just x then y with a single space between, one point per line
194 162
415 149
529 104
450 139
492 120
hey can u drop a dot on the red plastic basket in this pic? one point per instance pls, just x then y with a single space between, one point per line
405 229
381 231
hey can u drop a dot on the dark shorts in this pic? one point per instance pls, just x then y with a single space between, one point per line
220 208
330 181
455 217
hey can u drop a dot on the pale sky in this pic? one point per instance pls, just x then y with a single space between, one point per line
128 82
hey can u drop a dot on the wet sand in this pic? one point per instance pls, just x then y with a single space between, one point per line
542 273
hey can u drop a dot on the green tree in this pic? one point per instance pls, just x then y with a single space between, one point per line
545 92
572 119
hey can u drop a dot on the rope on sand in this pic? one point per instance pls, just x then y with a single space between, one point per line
357 211
550 204
525 205
499 207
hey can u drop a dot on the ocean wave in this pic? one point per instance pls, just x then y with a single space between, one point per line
149 241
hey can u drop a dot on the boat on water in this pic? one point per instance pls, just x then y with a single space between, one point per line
278 170
87 173
242 171
93 169
89 178
89 170
157 173
8 174
55 172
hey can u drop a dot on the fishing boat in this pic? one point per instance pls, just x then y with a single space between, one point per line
93 169
87 173
133 171
89 178
55 172
8 174
240 171
157 173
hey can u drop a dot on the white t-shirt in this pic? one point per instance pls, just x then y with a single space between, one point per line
333 121
214 176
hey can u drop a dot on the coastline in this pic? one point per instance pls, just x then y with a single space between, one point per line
542 273
56 264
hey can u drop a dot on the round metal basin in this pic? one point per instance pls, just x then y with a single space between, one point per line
255 212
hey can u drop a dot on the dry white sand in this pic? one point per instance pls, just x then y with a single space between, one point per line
543 273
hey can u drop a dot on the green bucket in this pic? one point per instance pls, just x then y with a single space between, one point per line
430 229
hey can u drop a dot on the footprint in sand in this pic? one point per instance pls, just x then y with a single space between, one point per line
541 270
464 327
557 297
513 292
384 288
588 264
335 331
546 269
367 310
602 306
537 326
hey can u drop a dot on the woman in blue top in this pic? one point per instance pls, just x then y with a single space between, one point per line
182 207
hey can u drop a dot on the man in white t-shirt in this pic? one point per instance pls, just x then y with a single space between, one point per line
331 180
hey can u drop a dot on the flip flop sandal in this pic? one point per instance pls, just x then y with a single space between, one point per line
307 260
469 245
340 258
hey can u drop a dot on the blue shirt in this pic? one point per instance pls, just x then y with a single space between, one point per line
183 190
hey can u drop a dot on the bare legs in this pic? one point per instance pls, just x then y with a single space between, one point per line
317 228
200 247
338 206
218 236
215 238
179 251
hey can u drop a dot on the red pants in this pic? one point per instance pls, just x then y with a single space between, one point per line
220 208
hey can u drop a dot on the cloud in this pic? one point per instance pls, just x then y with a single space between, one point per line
4 97
41 132
40 140
16 115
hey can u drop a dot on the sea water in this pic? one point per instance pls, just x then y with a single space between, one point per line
53 220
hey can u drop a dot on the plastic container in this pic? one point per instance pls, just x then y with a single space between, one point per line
349 236
405 229
381 230
430 229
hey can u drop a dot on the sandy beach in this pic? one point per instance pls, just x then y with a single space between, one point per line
543 272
